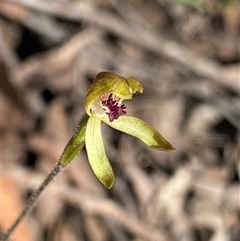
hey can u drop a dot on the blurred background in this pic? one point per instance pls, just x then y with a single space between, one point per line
186 55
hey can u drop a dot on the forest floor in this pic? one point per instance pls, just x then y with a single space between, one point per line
187 58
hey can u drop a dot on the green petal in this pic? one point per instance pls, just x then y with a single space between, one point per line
106 83
96 153
138 128
134 85
76 143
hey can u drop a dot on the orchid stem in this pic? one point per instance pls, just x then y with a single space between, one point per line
72 149
33 199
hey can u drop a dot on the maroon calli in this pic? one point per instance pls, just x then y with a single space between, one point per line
113 107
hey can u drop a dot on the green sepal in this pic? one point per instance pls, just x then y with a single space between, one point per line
140 129
96 153
106 83
76 143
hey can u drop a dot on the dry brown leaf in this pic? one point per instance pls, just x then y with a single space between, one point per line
11 205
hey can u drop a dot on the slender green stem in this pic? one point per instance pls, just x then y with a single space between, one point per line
72 149
33 199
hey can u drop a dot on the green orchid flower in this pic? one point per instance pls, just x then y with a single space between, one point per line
103 102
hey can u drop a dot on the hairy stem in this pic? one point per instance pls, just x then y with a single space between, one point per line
33 199
72 149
